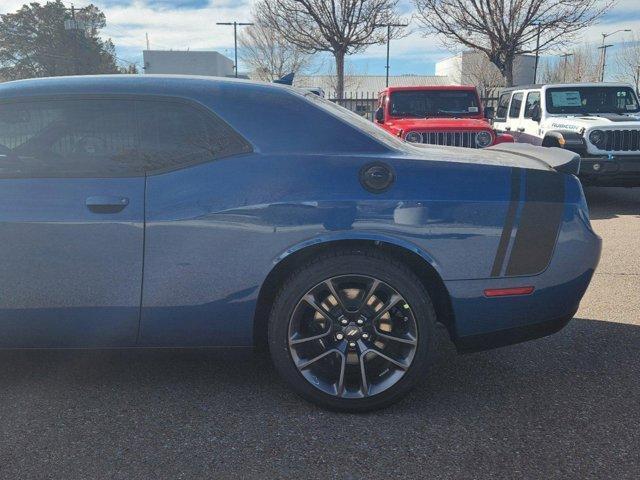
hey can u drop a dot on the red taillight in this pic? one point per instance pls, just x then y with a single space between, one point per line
507 292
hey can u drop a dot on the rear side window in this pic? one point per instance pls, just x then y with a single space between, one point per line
108 137
533 100
174 134
503 105
516 103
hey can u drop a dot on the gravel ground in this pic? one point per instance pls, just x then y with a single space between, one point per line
567 406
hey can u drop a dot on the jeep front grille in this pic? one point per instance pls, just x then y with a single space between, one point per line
622 140
452 139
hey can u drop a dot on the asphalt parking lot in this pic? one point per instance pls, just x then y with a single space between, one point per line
567 406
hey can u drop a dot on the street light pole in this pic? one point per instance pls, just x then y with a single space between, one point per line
389 26
564 67
604 47
235 40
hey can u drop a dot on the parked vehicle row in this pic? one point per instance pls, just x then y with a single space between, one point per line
599 121
143 211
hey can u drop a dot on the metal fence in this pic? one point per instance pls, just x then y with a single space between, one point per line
365 103
362 103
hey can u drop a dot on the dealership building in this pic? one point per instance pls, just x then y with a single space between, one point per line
468 67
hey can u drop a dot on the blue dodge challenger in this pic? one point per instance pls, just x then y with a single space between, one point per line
150 211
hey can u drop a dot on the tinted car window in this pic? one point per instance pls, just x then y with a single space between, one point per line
503 105
516 103
59 138
432 103
108 137
174 134
533 100
588 99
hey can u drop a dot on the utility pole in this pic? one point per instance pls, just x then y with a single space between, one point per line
235 40
147 37
564 68
76 28
535 67
389 26
604 47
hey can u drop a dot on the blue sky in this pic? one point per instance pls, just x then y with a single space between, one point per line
182 24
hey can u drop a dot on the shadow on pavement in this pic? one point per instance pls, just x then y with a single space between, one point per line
560 407
611 202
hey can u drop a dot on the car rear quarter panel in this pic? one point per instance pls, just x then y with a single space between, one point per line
215 231
559 287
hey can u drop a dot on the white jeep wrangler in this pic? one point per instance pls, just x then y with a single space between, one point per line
600 121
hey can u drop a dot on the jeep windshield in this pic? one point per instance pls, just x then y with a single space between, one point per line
433 103
586 100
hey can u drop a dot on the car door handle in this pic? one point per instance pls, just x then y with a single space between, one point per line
521 129
508 129
106 203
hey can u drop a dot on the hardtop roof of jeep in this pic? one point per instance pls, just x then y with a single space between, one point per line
540 86
468 88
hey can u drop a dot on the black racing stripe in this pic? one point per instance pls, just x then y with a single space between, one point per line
539 223
516 174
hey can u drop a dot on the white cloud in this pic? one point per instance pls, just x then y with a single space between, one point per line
173 28
196 29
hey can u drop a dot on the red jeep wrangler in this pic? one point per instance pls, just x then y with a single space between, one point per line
442 115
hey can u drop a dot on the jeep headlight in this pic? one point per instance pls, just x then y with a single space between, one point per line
483 139
413 137
597 138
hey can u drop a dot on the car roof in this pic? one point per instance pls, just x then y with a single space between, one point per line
468 88
242 104
540 86
179 85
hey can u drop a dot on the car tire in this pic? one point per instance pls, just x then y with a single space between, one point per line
398 342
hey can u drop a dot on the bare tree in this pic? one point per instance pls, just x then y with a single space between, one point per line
628 62
503 29
268 54
579 65
352 79
340 27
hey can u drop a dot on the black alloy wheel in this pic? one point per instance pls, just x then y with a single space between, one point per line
356 328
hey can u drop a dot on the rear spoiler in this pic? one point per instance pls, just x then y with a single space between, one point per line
564 161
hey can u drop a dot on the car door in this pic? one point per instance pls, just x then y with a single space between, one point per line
530 132
71 223
514 116
500 123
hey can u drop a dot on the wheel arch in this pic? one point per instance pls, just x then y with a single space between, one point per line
566 139
418 261
553 139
